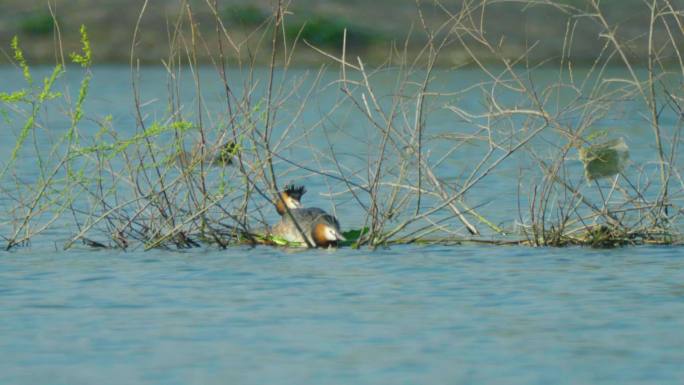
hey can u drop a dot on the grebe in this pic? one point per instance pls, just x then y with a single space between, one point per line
320 228
291 197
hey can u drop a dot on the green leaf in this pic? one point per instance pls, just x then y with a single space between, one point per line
353 235
84 59
19 57
16 96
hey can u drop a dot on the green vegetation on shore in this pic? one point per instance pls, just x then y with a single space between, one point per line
373 27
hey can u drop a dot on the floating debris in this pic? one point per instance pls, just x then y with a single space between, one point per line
604 159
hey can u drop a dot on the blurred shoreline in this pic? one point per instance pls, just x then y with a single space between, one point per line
380 32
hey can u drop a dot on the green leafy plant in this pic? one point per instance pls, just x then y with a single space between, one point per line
34 96
353 236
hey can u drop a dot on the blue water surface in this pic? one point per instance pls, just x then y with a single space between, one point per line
406 315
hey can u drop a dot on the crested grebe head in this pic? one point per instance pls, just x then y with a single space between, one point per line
327 234
289 197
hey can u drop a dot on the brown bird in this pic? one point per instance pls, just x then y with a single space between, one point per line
291 197
317 227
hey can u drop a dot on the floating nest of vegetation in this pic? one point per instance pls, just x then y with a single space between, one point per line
605 237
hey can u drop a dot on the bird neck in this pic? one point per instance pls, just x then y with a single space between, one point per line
280 204
319 236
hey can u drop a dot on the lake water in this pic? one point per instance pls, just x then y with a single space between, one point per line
407 315
401 315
